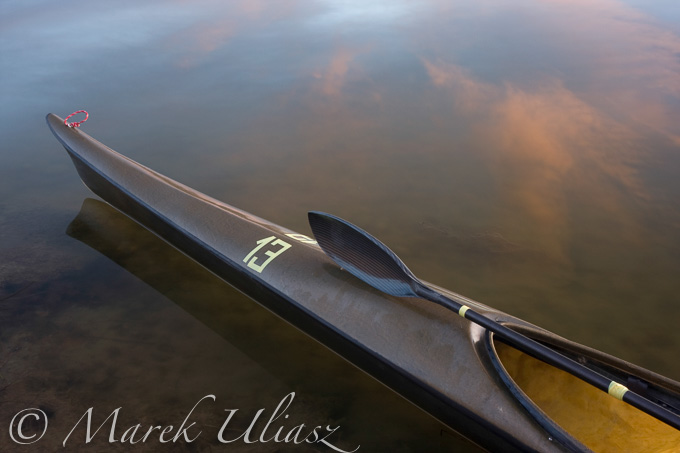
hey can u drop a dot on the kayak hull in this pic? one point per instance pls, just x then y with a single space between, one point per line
437 360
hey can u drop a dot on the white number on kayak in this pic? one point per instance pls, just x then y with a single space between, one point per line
301 238
251 259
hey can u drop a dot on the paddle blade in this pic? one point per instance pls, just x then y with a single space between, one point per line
362 255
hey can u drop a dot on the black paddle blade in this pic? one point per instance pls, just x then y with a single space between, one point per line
362 255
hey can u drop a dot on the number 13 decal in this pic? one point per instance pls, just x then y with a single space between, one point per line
252 260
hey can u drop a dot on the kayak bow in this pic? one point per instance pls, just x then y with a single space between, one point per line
494 395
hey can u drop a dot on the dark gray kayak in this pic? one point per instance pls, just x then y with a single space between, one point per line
490 393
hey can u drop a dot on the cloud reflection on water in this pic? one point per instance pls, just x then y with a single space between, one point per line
546 146
552 124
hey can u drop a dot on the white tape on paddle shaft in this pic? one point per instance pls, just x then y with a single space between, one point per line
617 390
462 310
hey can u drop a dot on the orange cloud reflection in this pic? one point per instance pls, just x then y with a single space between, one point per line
333 78
211 33
547 148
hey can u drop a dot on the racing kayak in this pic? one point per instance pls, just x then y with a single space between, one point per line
491 393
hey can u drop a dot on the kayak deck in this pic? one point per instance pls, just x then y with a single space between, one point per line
434 358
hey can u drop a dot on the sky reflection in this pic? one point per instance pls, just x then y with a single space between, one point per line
524 153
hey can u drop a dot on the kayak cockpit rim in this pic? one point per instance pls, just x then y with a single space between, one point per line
571 411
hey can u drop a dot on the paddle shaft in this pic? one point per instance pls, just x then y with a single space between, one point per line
373 262
552 357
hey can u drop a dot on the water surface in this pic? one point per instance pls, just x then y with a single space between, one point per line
526 155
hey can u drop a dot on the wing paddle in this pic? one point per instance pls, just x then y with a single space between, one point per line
370 260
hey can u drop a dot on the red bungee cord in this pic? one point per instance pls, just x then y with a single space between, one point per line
76 123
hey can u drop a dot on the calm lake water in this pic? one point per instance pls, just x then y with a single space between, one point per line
525 154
